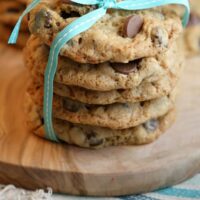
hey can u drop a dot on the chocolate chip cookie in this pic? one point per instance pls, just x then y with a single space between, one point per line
98 137
114 116
107 76
119 36
143 92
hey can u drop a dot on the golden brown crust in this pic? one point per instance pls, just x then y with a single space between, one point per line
104 42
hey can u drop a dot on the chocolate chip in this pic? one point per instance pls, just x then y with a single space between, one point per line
48 20
121 90
42 18
42 120
142 103
93 140
71 106
132 26
159 37
126 68
151 125
194 19
58 24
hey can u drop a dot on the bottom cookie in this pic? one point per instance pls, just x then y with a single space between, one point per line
5 34
95 137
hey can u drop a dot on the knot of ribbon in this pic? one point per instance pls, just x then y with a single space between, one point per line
76 27
107 4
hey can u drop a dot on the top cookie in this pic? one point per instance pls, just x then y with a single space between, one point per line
119 36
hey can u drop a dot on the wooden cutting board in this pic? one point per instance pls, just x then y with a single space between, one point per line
31 162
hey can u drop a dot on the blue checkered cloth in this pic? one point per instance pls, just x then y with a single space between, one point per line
188 190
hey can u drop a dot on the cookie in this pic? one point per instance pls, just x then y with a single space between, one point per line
110 39
115 116
106 76
143 92
10 12
6 30
97 137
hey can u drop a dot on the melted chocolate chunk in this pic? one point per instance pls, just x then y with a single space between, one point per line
126 68
133 26
93 140
151 125
71 106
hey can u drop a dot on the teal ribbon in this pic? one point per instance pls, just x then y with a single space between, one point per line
80 25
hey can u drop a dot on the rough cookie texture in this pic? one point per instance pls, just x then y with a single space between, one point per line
97 137
108 76
105 41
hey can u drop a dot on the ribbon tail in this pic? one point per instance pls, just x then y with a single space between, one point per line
14 35
76 27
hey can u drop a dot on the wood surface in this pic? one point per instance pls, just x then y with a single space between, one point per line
32 162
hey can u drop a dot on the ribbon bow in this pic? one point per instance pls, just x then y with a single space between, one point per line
76 27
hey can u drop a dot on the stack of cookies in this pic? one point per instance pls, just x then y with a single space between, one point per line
115 83
10 11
